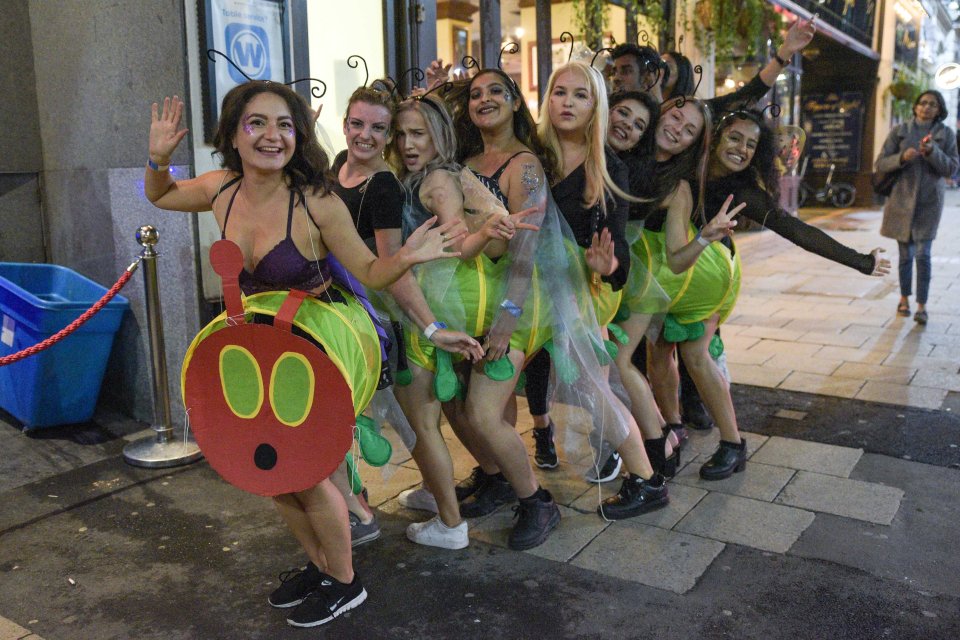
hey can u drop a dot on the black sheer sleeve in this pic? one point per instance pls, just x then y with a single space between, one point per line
742 98
763 210
618 211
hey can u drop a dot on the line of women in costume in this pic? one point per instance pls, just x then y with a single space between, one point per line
607 222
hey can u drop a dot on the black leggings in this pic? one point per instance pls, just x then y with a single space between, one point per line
537 381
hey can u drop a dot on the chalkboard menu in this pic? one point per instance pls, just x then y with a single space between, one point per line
853 17
834 126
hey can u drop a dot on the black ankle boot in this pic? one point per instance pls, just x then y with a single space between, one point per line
729 458
636 496
656 453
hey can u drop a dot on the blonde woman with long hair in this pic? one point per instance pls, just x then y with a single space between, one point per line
590 192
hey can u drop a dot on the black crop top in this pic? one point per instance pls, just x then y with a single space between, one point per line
568 194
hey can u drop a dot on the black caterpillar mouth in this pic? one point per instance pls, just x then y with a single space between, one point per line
265 457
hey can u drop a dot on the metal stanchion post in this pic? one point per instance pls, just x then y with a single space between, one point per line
162 450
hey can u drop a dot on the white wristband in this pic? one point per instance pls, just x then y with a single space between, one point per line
432 328
703 241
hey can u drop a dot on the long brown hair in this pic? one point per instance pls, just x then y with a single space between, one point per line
308 168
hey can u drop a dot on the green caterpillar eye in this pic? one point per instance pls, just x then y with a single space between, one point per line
292 385
241 381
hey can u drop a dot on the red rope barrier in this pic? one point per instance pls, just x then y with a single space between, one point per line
73 326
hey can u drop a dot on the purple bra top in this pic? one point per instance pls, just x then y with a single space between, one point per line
284 267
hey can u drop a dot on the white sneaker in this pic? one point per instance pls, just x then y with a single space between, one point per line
419 499
433 533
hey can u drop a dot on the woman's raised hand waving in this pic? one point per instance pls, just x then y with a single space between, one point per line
165 132
600 257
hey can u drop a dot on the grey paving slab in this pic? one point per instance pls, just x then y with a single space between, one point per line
565 483
576 531
682 500
650 555
10 630
868 501
808 456
752 523
909 395
385 483
705 443
758 481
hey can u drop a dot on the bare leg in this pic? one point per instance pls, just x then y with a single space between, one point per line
486 402
714 388
341 480
664 377
456 416
430 453
295 517
327 512
638 389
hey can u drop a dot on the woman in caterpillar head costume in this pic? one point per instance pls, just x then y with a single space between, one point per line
273 200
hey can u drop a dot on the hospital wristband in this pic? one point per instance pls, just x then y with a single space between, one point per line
432 328
511 308
157 167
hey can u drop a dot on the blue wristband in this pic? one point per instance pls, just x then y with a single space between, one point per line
156 167
511 308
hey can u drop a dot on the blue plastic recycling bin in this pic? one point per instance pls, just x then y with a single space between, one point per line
59 385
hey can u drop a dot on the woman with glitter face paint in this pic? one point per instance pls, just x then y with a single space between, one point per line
275 178
498 143
590 192
374 197
425 151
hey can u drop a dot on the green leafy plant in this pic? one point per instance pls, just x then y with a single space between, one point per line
906 87
584 16
591 30
734 27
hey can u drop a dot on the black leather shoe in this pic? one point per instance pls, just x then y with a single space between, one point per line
729 458
695 415
636 496
469 485
656 453
493 493
535 520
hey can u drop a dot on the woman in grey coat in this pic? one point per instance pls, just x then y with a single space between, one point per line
925 150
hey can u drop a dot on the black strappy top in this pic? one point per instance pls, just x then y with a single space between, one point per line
283 267
493 182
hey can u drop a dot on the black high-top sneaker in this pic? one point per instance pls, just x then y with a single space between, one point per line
636 496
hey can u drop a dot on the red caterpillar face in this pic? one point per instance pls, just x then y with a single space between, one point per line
270 410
